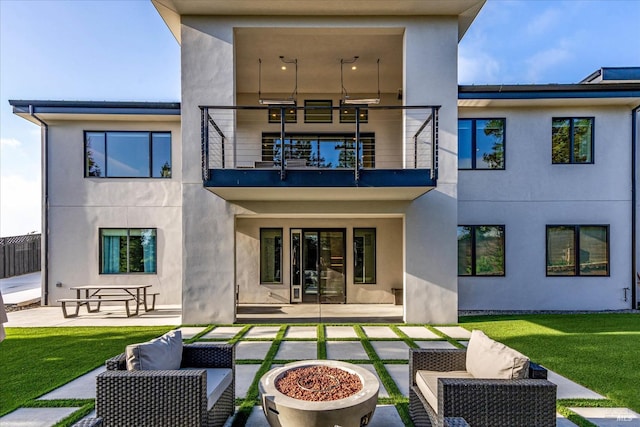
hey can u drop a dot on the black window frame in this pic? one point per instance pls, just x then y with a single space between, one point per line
474 142
576 243
572 140
128 230
375 255
290 114
474 262
348 113
316 113
106 149
281 261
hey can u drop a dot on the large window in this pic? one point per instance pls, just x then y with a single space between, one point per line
572 140
577 250
481 143
271 255
326 150
364 260
127 250
481 250
127 154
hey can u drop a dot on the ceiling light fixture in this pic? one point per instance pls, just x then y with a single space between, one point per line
346 99
291 100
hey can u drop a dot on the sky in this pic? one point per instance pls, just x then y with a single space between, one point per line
121 50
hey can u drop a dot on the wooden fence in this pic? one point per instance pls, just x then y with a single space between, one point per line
19 255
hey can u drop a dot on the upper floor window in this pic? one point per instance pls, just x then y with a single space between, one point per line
481 143
290 114
572 140
577 250
318 111
348 114
481 250
127 250
127 154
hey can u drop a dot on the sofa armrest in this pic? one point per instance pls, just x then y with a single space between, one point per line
498 401
208 356
153 397
117 363
436 360
537 372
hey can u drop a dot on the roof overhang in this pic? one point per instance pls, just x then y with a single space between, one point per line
95 110
171 10
624 94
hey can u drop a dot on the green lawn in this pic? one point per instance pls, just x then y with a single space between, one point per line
34 361
599 351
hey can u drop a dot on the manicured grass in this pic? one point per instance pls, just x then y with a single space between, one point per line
598 351
34 361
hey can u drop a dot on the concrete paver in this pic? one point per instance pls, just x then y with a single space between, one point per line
35 417
417 332
568 389
189 332
379 332
383 391
346 350
391 349
609 417
434 344
83 387
301 332
400 375
264 332
297 350
340 332
244 378
252 349
223 332
455 332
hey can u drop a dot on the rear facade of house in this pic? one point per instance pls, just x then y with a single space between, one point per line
323 153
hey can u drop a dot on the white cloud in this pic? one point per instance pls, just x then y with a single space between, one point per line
20 209
547 21
9 142
477 67
538 64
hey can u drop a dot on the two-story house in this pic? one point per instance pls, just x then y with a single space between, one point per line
323 153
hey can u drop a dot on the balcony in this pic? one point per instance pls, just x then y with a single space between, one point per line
319 152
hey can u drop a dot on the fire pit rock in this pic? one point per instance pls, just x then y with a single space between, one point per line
355 410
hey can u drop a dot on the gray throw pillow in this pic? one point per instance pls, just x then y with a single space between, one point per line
164 352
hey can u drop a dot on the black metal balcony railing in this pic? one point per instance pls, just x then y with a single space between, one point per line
288 137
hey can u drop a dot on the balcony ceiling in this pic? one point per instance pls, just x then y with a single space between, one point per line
318 52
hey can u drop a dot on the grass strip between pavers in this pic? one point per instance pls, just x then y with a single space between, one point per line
252 398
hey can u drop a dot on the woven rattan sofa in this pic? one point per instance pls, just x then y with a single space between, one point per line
529 401
167 397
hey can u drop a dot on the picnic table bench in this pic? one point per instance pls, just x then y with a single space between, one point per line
97 294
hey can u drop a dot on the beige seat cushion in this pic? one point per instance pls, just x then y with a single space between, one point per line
487 358
427 382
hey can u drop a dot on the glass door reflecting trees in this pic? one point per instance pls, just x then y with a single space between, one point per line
323 266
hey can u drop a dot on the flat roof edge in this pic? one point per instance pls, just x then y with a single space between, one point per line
95 107
607 90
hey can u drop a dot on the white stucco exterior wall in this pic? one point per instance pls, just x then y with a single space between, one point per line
430 286
532 193
79 207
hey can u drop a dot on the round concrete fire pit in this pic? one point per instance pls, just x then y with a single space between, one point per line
334 394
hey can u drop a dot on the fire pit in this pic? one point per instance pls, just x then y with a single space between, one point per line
319 393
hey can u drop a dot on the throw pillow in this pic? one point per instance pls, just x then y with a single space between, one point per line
487 358
164 352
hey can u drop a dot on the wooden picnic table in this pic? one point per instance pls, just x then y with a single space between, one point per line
104 293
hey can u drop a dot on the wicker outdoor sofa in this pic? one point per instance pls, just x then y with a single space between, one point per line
481 402
177 397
